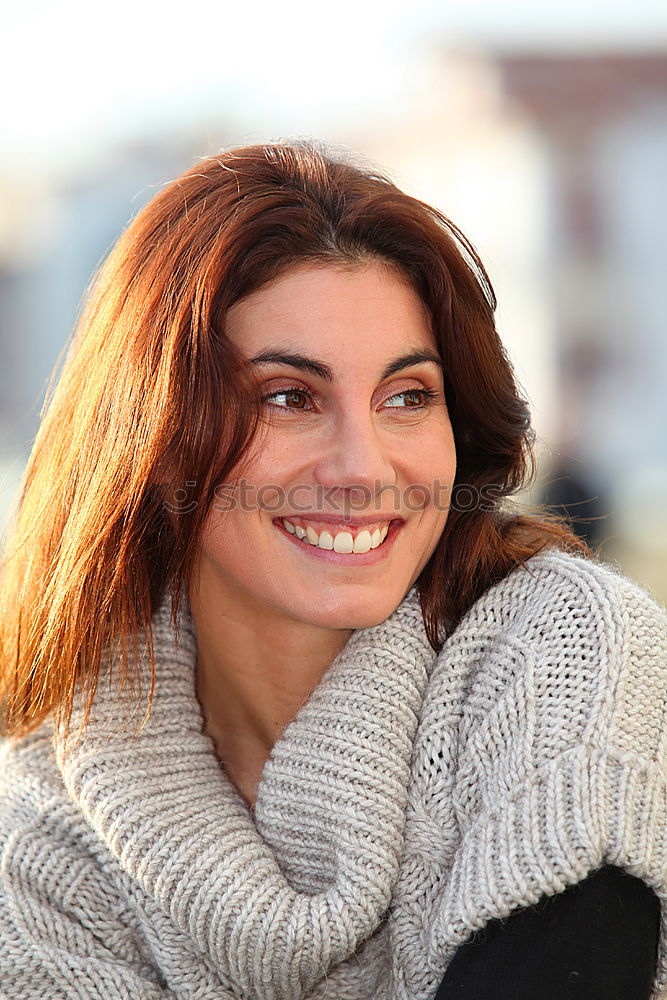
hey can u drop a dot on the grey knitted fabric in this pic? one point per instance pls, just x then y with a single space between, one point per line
412 799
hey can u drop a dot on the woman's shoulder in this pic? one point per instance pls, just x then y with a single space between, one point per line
595 617
44 837
35 806
28 762
30 783
558 598
543 741
592 578
569 648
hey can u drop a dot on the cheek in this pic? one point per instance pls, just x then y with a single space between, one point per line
434 457
220 536
447 450
278 450
431 472
259 487
228 530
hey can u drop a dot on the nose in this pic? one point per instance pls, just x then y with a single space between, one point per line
355 459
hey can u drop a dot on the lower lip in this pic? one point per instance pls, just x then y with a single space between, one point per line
345 558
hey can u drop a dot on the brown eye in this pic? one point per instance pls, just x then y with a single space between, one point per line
295 399
419 399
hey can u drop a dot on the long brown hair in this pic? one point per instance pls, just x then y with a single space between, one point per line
153 399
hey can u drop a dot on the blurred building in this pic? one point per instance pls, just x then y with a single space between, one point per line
604 121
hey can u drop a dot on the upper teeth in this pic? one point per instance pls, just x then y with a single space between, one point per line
342 541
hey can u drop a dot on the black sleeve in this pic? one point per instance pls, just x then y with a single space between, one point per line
597 940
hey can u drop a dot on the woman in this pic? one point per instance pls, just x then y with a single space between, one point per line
384 713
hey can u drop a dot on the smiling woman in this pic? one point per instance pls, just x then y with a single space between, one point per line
356 437
361 432
384 711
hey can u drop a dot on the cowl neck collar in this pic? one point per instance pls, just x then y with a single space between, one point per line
278 898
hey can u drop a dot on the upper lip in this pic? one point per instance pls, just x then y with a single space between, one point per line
343 519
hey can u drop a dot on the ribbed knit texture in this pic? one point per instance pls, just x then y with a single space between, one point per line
412 799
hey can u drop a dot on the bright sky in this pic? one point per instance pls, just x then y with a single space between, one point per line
77 72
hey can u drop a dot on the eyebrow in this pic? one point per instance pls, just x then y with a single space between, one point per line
323 371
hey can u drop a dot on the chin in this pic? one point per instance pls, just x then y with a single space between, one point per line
355 613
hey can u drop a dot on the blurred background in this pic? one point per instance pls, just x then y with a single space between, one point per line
541 130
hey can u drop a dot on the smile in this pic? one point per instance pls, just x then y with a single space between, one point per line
359 539
345 544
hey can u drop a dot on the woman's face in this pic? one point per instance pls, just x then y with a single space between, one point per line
355 449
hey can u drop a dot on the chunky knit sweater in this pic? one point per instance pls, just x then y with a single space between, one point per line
413 799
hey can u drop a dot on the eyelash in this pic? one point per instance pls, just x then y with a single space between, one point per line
430 397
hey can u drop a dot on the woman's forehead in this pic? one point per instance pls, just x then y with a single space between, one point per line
327 309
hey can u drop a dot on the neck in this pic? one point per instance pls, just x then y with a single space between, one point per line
254 671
